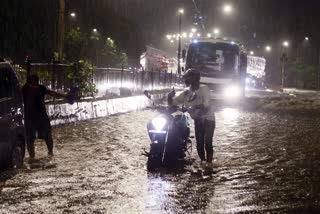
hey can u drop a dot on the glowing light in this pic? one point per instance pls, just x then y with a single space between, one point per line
181 11
216 31
251 52
209 35
227 8
285 44
184 34
95 30
169 37
198 34
195 41
306 38
193 30
190 35
171 41
159 123
232 92
73 15
268 48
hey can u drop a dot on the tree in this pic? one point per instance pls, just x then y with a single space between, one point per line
82 77
76 45
304 75
112 55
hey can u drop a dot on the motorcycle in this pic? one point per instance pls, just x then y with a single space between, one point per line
169 134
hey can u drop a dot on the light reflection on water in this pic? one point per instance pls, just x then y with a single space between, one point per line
230 114
264 163
158 189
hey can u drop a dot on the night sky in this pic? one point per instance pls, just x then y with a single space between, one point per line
137 23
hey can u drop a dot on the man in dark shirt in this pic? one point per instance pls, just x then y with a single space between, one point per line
36 118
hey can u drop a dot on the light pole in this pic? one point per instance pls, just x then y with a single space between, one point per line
283 59
95 37
60 30
180 12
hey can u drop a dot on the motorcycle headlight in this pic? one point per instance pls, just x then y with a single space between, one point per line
159 123
232 92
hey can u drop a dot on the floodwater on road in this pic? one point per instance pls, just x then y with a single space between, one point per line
264 162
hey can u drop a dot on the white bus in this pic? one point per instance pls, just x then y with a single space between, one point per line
222 64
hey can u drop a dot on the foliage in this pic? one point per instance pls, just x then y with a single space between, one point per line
103 53
303 73
112 55
75 45
82 77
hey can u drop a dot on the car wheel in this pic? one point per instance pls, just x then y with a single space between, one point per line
17 155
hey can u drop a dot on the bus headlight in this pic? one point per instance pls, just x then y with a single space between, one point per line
159 123
232 91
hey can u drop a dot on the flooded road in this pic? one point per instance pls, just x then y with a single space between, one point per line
264 162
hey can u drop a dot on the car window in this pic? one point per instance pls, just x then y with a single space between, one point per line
6 86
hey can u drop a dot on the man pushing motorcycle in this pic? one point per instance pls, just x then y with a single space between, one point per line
196 98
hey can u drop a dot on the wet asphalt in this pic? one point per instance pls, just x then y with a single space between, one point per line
263 163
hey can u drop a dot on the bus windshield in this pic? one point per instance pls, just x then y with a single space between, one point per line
213 57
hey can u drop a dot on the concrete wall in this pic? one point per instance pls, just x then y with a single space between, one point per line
66 113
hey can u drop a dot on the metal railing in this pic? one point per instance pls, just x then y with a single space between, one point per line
107 80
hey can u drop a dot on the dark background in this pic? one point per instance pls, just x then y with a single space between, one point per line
28 27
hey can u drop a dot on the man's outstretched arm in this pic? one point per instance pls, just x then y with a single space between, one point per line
56 94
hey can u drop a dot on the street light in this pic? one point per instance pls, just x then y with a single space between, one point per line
95 30
283 59
73 15
216 31
251 52
184 35
227 9
180 12
285 44
306 38
268 48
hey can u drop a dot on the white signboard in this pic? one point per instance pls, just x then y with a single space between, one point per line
256 66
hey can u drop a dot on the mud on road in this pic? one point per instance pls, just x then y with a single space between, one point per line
264 162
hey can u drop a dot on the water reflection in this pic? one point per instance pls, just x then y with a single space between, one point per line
264 163
230 114
159 189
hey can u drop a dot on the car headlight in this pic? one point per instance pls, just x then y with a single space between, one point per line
159 123
232 91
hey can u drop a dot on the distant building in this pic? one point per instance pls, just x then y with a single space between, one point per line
157 60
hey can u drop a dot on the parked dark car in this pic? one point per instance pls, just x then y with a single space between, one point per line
12 132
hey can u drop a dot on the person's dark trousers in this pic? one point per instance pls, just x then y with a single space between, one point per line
30 147
43 128
49 142
204 130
